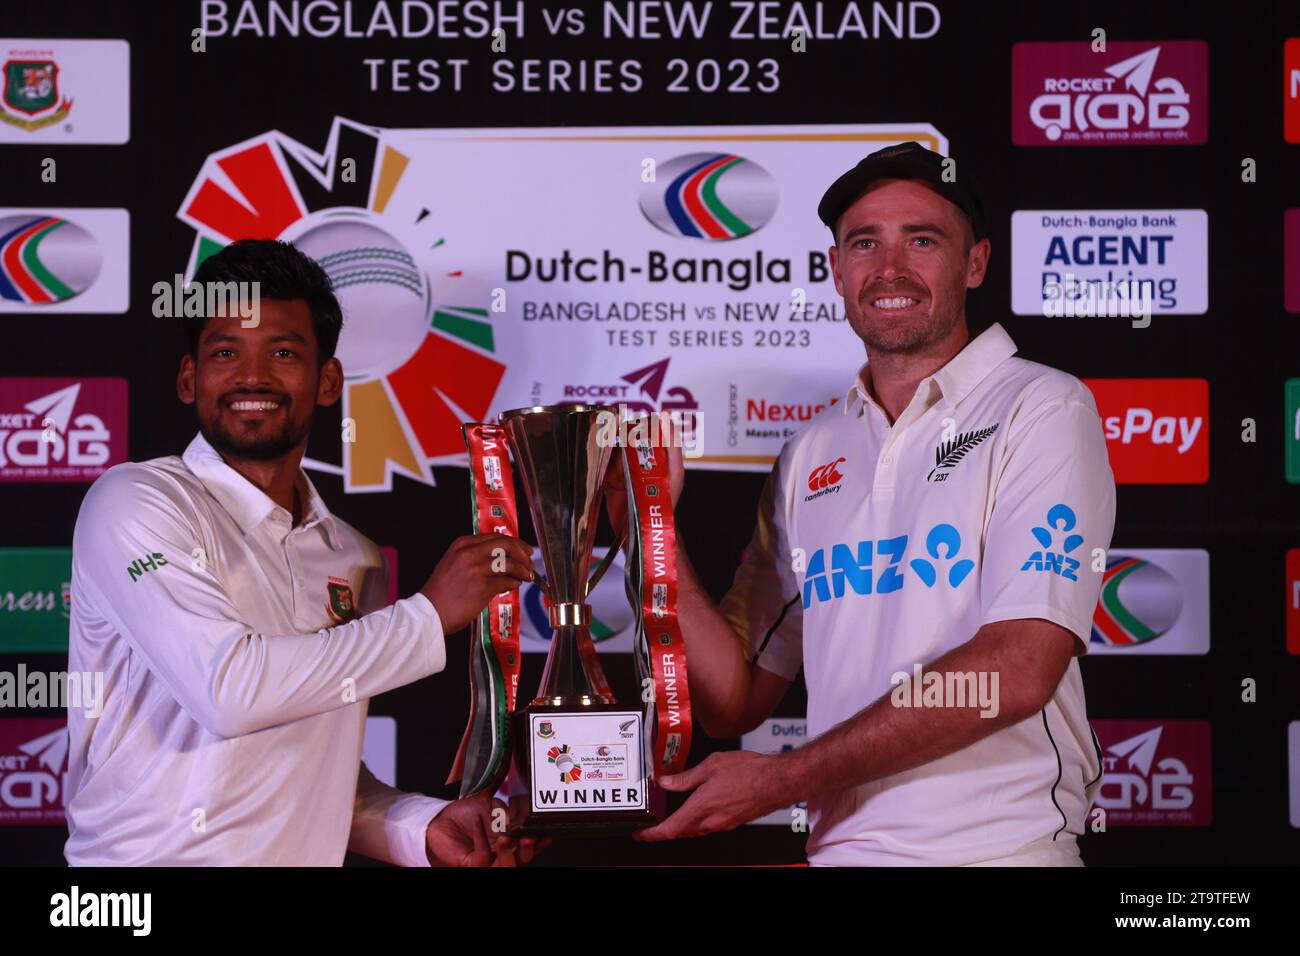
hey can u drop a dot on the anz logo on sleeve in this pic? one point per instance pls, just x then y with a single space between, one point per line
1060 518
879 566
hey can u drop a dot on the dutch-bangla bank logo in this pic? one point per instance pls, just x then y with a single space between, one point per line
708 196
1149 94
417 347
1153 601
45 259
64 260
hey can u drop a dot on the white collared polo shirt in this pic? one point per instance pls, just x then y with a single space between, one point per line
238 654
881 547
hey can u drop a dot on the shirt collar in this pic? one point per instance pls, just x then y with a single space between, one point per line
245 502
955 380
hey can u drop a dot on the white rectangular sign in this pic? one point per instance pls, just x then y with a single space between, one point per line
64 260
65 91
1153 601
587 762
653 267
1164 250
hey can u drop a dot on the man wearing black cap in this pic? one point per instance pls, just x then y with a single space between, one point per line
929 551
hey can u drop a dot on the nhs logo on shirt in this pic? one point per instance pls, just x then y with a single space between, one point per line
1068 262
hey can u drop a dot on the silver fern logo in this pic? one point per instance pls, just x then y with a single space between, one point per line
950 453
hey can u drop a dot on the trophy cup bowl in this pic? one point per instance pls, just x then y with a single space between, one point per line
580 753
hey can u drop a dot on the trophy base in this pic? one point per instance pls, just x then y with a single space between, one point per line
583 769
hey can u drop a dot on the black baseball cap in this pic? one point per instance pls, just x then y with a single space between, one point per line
908 160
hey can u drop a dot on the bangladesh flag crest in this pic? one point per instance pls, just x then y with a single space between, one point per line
340 607
31 88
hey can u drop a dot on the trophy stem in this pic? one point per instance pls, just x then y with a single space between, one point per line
569 679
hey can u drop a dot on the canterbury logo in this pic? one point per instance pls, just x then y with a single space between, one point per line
825 476
949 453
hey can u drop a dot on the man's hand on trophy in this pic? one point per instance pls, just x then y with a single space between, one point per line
731 788
458 836
475 568
615 486
514 851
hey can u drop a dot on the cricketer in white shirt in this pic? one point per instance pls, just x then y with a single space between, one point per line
239 653
930 552
990 499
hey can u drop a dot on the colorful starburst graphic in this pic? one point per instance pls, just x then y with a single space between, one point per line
565 762
417 356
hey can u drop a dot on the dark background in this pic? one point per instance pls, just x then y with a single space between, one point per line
184 105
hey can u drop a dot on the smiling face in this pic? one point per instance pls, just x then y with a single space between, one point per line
255 389
904 260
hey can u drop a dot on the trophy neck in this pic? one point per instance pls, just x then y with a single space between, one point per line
569 679
560 455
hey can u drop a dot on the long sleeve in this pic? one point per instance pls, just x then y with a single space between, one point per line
132 563
389 824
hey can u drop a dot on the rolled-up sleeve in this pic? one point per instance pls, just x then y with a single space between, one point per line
390 824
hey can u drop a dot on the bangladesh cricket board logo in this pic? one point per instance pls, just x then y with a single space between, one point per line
341 607
418 346
31 94
566 763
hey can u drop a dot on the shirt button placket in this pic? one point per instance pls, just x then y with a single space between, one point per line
300 585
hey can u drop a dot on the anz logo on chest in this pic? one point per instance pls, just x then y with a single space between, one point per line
881 566
855 566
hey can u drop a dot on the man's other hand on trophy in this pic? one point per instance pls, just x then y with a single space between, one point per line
475 568
616 484
466 834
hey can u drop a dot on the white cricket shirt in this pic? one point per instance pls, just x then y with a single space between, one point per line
237 674
983 502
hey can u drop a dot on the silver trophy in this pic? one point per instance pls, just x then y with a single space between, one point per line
581 754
